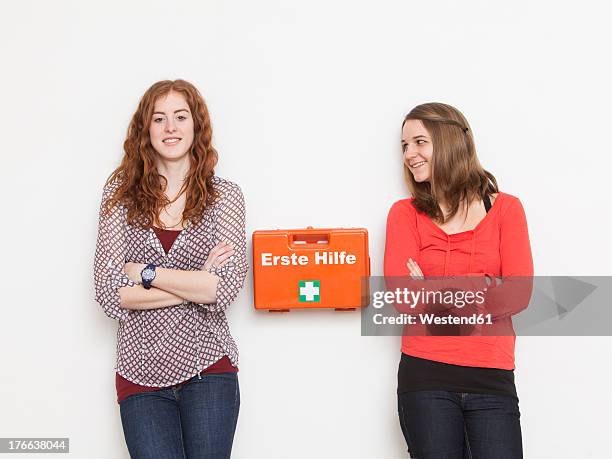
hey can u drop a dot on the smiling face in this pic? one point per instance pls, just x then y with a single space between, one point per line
417 148
171 128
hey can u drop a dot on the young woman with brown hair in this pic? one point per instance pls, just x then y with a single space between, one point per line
170 258
456 394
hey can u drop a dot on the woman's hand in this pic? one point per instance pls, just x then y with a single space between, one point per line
415 270
133 271
218 256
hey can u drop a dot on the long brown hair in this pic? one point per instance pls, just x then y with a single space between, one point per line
457 178
141 189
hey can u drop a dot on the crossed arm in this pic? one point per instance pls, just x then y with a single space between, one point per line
214 287
172 286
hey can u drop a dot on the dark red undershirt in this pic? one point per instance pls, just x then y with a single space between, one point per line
126 388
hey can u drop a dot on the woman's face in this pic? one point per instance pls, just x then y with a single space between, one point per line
171 128
417 149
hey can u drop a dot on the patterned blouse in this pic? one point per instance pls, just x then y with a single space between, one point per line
166 346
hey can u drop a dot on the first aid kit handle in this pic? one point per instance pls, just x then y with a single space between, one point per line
308 239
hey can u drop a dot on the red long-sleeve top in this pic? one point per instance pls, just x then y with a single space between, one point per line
498 246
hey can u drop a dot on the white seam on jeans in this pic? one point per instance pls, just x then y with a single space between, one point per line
467 441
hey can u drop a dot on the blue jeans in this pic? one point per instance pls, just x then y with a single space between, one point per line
196 420
454 425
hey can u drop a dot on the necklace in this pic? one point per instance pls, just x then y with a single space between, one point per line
172 218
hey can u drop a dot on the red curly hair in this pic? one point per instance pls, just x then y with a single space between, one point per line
141 189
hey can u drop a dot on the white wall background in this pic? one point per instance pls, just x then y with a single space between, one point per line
306 99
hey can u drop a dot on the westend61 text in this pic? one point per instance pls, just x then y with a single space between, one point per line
432 319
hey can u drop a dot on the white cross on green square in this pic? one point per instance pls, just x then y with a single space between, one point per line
309 291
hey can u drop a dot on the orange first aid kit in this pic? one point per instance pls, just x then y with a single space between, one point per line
311 268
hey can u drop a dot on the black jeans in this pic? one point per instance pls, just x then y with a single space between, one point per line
454 425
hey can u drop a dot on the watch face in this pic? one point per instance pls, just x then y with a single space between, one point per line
148 274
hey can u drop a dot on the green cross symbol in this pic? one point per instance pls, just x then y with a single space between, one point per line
309 291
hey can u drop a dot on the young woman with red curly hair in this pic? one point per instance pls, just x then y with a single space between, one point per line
170 258
456 393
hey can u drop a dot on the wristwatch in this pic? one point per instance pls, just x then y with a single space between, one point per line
147 275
